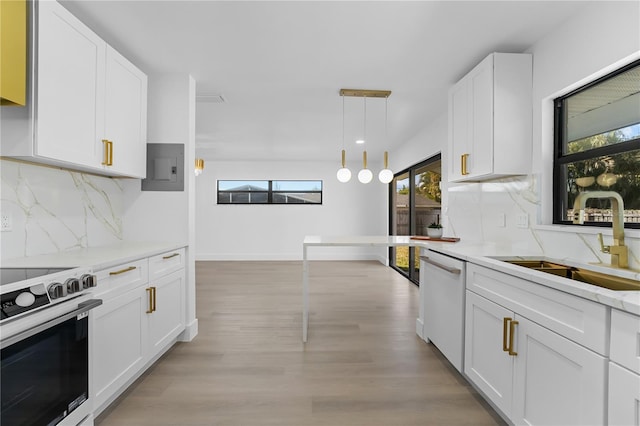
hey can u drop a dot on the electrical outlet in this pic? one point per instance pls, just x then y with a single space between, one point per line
6 224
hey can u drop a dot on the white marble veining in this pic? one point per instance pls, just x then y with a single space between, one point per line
56 210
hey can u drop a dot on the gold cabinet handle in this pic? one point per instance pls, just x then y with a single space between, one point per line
108 153
122 271
505 327
170 256
512 331
150 291
463 164
154 299
105 157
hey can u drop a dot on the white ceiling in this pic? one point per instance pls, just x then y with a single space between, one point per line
280 65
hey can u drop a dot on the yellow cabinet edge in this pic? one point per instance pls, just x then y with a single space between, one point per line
13 52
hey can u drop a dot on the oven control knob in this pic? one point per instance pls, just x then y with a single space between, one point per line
57 290
73 285
88 281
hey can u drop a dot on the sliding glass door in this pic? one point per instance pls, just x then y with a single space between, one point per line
414 204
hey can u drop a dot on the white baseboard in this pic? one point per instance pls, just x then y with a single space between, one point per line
420 328
190 332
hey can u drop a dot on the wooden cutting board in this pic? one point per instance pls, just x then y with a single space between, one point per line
443 239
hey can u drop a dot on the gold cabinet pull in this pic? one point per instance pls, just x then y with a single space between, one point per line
170 256
108 153
122 271
153 309
150 292
110 163
512 330
505 327
463 164
105 157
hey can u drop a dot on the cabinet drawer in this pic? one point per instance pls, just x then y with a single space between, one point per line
583 321
625 339
130 275
166 263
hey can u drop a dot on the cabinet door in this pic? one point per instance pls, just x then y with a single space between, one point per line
166 321
458 128
119 343
485 362
125 116
70 88
556 380
624 396
480 160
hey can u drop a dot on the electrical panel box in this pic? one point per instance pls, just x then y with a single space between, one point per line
165 167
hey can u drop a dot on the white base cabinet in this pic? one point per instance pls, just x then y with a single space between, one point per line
624 369
141 317
529 372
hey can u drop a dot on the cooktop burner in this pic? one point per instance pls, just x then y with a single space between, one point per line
13 275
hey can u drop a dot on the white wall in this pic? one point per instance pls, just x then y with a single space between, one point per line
579 51
276 232
168 215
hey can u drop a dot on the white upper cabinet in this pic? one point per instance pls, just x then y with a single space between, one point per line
125 123
87 104
490 119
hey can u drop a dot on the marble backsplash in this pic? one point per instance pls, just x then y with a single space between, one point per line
54 210
489 212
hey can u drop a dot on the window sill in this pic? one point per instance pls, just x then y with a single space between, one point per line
592 230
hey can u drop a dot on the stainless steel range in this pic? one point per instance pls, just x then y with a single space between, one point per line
44 345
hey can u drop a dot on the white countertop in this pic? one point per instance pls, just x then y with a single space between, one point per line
94 257
483 255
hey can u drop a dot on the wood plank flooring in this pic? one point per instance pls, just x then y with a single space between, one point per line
363 363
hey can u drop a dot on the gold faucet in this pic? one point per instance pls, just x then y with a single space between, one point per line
619 252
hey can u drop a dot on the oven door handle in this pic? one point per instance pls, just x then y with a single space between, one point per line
83 308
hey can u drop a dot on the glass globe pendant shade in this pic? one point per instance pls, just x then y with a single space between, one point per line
385 175
365 175
344 174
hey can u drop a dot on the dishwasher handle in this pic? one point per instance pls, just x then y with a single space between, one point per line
441 266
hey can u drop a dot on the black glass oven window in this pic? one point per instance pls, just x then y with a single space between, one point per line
45 376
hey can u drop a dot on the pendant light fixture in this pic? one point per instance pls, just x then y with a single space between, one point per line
365 175
385 175
344 174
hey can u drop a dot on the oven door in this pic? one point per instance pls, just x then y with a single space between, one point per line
45 372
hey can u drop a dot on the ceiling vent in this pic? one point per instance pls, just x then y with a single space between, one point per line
211 99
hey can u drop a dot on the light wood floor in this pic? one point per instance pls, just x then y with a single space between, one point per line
363 364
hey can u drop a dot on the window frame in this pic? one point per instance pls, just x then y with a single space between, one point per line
270 192
560 159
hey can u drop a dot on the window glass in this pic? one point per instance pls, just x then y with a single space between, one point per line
598 148
270 192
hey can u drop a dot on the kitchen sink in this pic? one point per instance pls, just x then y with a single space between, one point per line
587 276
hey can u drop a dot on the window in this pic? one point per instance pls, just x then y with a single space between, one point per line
414 204
597 145
269 192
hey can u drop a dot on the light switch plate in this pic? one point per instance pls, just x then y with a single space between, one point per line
522 220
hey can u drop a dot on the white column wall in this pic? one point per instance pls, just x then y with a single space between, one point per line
168 215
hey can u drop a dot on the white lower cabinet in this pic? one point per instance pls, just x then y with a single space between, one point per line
624 396
167 319
141 317
532 374
119 343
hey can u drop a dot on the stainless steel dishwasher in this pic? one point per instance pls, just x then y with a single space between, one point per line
442 282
